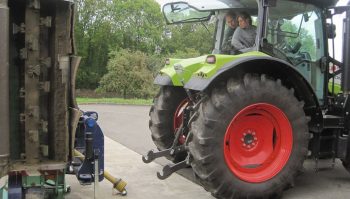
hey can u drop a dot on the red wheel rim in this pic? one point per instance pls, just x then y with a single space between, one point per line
178 117
258 143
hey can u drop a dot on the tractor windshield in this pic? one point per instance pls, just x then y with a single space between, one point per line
294 33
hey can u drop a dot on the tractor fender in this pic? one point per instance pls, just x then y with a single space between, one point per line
163 80
272 67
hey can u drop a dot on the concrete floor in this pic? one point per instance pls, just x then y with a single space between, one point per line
141 178
127 128
128 137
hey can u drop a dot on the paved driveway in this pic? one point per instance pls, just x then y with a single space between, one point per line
128 125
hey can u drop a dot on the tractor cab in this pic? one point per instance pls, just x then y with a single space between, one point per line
291 31
294 32
214 12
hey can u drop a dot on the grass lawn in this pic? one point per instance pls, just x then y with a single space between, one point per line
81 100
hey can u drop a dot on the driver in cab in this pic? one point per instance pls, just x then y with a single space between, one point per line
244 36
231 22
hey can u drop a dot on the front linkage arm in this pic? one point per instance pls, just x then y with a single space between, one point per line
188 116
173 150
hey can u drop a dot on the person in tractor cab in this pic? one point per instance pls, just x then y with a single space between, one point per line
231 22
244 36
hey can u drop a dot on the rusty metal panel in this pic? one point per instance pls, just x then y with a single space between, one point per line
31 76
60 83
41 52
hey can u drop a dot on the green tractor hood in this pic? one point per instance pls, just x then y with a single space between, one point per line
200 67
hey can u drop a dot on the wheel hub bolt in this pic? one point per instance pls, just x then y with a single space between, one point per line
249 139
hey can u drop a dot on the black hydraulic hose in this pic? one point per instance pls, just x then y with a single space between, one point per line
89 148
4 86
333 52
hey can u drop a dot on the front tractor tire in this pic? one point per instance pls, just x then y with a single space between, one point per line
250 138
346 164
166 116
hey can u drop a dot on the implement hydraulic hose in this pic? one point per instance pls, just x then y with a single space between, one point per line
118 183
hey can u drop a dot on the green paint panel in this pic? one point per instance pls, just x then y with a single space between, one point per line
190 66
32 181
197 67
57 186
337 88
3 192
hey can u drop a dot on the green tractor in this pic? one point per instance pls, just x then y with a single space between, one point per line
246 120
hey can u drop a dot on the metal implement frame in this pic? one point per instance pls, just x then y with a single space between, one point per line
4 87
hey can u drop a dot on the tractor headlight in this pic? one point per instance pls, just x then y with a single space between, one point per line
167 61
179 69
211 59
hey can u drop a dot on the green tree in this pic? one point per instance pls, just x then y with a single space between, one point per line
94 38
185 53
139 24
128 75
103 25
189 36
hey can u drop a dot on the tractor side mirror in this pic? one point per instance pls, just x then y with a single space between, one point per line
331 33
181 12
270 3
306 17
168 34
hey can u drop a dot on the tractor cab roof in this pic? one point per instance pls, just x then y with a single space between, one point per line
229 4
320 3
187 11
214 5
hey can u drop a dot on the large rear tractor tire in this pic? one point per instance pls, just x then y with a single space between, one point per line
250 139
346 165
166 116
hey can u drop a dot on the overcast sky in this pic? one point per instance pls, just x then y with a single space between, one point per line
161 1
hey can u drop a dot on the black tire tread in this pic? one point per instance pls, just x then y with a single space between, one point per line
214 175
161 115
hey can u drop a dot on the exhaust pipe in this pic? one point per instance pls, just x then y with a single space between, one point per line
4 87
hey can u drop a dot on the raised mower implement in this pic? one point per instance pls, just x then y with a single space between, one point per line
246 120
43 134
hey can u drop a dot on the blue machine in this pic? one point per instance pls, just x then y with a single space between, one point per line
89 141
